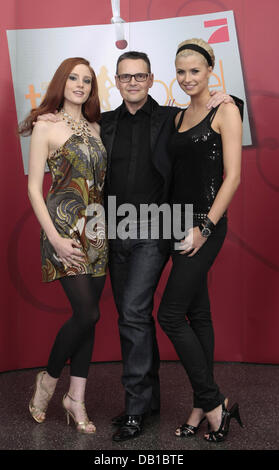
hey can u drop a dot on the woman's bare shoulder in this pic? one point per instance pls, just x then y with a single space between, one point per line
45 127
228 109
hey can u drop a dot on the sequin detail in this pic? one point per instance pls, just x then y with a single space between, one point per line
198 165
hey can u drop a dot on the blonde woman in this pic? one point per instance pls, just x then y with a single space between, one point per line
206 157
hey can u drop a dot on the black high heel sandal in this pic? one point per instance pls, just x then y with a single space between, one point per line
221 434
187 430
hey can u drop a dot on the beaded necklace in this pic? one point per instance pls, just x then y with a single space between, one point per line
80 127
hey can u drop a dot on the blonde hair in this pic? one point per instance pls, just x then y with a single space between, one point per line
197 42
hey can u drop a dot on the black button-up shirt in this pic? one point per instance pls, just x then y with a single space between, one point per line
133 177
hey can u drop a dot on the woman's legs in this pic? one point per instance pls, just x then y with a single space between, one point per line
186 296
74 341
182 285
73 402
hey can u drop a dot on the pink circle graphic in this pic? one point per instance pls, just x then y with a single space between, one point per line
121 44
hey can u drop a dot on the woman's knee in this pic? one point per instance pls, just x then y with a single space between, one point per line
172 317
87 317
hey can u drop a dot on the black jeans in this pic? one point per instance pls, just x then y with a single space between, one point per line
135 269
184 314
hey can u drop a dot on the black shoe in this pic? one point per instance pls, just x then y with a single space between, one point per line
121 418
222 433
187 430
131 427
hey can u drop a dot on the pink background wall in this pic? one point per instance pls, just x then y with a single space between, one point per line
244 279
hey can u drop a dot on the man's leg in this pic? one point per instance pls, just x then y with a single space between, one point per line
135 268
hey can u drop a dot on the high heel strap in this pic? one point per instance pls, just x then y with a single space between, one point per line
35 411
41 376
187 430
71 398
80 425
221 433
226 416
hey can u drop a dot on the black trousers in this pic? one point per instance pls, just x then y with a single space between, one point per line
135 269
184 314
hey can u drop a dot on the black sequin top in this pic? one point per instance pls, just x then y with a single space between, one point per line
197 164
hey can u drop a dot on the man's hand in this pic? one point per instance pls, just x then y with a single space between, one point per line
218 97
53 117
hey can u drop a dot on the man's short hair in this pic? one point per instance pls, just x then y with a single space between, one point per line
135 55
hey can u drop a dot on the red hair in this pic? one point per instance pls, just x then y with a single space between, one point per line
54 97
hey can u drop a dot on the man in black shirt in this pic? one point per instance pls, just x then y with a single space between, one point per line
133 176
135 136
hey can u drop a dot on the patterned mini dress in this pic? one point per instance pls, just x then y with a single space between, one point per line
75 204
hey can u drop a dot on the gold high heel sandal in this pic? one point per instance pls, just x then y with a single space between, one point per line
35 410
80 425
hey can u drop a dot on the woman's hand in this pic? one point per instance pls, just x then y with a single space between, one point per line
193 242
69 251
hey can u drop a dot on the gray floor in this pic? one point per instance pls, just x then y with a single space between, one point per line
255 387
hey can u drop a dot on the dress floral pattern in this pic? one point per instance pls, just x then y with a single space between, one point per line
75 205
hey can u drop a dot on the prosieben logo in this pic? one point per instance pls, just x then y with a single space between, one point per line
221 34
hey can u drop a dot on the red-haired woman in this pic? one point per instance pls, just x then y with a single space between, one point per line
73 244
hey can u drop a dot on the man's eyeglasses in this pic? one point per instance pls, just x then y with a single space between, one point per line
127 77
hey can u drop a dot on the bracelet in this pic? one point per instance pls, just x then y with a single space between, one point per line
209 223
207 227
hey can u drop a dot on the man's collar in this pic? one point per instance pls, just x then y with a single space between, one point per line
146 108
